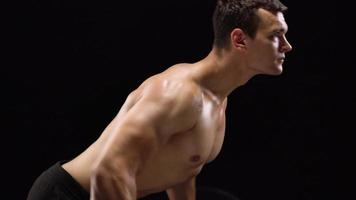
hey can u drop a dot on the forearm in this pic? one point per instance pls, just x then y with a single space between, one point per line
108 183
184 191
113 176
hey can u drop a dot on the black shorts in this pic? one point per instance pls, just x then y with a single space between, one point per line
56 183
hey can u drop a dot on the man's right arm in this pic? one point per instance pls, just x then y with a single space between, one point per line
143 128
128 146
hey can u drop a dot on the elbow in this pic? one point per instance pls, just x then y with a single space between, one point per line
107 183
104 170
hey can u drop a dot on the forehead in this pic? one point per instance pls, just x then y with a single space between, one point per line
271 21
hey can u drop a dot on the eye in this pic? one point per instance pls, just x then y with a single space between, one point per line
274 36
277 34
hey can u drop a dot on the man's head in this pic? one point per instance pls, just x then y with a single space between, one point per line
231 14
255 30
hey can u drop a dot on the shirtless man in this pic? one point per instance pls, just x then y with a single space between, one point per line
174 122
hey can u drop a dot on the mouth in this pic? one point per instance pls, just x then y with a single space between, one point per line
281 59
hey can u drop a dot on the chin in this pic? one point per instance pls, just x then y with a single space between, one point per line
275 71
278 70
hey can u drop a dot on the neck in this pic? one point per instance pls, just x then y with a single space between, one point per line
222 71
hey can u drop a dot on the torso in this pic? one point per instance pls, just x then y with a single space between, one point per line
180 158
184 155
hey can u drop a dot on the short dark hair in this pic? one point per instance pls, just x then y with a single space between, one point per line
230 14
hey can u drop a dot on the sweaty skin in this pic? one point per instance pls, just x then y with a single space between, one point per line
174 122
182 144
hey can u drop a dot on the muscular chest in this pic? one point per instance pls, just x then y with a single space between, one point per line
210 131
203 143
184 155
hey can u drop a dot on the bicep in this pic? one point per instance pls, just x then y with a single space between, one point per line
135 138
131 138
157 117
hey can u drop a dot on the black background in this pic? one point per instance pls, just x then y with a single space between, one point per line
69 66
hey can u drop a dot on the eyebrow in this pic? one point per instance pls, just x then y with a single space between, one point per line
280 30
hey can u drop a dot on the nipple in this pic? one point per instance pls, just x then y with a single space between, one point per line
195 158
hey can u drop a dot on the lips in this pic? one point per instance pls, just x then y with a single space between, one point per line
281 59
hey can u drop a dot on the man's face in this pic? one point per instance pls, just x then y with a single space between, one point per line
266 52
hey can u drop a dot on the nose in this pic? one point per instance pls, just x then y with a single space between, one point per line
285 46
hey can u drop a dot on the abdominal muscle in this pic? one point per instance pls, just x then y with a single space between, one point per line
163 173
180 159
185 154
171 165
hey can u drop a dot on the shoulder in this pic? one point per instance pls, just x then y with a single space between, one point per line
173 92
177 101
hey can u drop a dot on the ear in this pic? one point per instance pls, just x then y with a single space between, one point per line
237 38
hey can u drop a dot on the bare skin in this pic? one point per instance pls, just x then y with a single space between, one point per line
198 125
174 122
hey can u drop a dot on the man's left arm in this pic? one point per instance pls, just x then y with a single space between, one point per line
183 191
